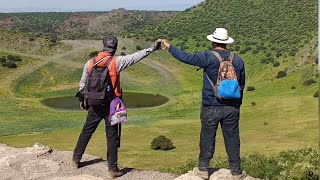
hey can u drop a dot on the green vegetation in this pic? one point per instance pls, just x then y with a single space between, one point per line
292 164
251 88
269 28
281 74
162 143
274 117
75 25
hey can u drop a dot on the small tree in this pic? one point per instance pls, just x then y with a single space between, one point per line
293 87
251 88
276 64
161 142
138 47
316 94
11 64
281 74
13 58
3 59
309 82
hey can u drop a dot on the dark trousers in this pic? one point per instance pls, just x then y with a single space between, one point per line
95 115
228 117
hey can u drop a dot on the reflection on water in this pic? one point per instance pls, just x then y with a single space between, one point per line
131 100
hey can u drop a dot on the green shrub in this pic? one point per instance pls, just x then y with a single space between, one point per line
122 53
138 47
309 82
276 64
253 103
255 51
162 143
293 87
93 54
13 58
316 94
11 64
251 88
3 59
123 48
281 74
290 164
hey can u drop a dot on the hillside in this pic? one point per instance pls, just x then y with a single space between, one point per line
81 25
261 27
279 114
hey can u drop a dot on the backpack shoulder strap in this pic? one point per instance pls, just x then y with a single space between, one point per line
213 86
91 63
94 63
231 57
217 55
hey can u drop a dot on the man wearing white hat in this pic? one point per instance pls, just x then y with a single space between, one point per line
215 110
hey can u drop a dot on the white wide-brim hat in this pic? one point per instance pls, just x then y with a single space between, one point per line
220 35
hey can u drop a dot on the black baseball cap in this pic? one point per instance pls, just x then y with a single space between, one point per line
110 44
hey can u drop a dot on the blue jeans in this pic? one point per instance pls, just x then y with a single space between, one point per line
228 117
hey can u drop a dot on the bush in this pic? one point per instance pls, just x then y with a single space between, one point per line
123 54
138 47
290 164
162 143
251 88
253 103
293 87
93 54
309 82
255 51
13 58
11 64
281 74
316 94
123 48
276 64
3 59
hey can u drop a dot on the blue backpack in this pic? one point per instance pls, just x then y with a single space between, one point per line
227 85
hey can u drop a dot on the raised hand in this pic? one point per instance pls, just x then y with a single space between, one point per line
157 45
166 43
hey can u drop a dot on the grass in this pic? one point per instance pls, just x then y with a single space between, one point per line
277 122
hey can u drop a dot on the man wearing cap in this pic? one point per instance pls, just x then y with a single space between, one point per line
97 113
215 110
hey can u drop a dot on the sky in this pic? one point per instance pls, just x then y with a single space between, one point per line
93 5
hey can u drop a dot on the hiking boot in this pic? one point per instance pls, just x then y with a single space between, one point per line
239 175
114 173
74 164
201 174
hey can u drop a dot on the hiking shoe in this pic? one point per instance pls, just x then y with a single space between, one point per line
74 164
239 176
114 173
201 174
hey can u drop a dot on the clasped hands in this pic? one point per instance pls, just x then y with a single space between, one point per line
159 42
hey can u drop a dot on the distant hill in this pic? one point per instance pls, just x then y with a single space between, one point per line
278 27
75 25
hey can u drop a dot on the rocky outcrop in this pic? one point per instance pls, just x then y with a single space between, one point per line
41 162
